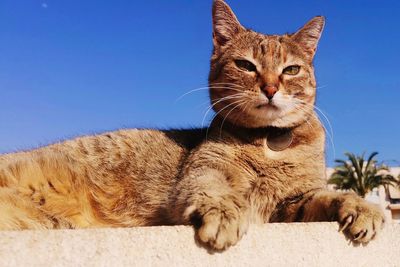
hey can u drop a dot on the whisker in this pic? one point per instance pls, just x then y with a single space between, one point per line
204 103
205 88
328 133
320 87
234 96
330 136
326 118
322 113
191 91
227 115
233 103
230 84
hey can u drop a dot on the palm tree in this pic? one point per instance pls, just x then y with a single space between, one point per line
398 181
360 175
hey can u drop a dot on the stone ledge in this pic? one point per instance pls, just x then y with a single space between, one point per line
314 244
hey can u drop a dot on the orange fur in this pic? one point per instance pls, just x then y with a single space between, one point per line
221 178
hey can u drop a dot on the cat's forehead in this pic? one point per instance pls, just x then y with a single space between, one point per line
270 52
267 50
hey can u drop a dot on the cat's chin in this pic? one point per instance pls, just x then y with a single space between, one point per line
268 116
278 123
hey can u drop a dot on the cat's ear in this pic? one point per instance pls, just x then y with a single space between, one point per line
308 36
225 23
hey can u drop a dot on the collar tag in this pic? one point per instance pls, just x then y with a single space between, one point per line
279 139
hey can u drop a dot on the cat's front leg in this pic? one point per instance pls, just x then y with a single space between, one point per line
359 220
219 214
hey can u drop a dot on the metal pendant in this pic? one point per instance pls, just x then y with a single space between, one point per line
279 139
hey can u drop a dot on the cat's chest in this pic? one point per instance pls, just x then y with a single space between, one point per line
273 177
267 188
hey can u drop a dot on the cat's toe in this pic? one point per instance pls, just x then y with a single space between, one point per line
367 225
219 231
360 221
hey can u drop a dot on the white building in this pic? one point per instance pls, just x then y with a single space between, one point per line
389 199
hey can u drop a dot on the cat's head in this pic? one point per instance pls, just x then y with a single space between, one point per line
259 80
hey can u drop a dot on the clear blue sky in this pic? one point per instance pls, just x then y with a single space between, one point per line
74 67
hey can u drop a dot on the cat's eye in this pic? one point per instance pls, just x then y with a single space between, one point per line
291 70
245 65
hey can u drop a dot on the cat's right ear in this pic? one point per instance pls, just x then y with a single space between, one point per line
225 23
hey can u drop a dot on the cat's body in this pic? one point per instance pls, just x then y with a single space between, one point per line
107 180
261 160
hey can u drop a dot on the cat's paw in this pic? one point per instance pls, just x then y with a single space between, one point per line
359 220
221 225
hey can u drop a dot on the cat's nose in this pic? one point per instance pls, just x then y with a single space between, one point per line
270 90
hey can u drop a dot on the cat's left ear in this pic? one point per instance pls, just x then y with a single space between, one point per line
308 36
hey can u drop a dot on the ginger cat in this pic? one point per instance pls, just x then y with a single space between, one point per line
261 160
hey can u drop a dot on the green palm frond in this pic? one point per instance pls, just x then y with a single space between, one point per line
361 175
371 160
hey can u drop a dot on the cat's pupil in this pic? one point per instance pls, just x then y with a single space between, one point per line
245 65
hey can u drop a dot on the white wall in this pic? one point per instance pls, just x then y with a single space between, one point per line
317 244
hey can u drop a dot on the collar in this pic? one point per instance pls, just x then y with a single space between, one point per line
277 139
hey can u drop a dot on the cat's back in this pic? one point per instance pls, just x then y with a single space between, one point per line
132 145
100 178
134 151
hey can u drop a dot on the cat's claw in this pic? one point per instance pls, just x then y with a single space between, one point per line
346 223
360 220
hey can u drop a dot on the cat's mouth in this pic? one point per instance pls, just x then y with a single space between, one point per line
267 105
269 110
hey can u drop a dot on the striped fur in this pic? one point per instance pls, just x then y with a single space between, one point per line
219 179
